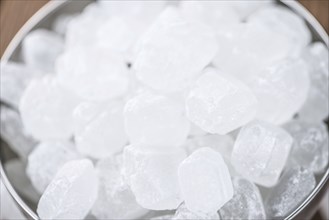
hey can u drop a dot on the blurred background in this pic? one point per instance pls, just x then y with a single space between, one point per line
14 13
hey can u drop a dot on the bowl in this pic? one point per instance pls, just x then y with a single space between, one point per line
44 18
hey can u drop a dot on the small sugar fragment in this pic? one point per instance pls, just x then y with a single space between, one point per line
155 120
165 52
72 192
294 186
13 132
152 175
41 48
104 135
183 213
219 103
14 79
46 159
61 22
248 198
46 109
115 198
311 145
260 152
205 181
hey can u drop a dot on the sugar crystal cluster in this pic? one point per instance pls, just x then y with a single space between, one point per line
174 110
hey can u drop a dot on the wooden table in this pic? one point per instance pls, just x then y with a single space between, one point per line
14 13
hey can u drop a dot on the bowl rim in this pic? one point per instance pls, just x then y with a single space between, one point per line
51 6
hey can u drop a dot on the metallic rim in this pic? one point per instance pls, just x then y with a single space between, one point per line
53 5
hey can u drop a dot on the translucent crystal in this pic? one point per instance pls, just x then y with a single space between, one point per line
247 48
218 103
155 120
15 170
163 217
294 186
46 109
212 13
247 197
152 176
285 22
41 48
13 133
183 213
72 192
196 130
205 182
281 90
115 199
171 69
104 135
8 206
260 152
14 79
311 145
97 74
42 168
246 8
316 107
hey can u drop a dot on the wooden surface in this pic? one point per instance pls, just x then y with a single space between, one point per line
14 13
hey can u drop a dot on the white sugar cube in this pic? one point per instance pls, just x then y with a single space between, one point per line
311 145
152 176
294 186
93 73
155 120
212 13
285 22
46 109
281 90
46 159
219 103
115 199
164 55
72 192
260 152
316 107
247 197
13 132
205 182
14 79
41 48
104 135
183 213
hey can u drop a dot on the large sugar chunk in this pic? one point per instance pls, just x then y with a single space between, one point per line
14 79
246 8
46 159
183 213
155 120
15 170
13 133
104 135
285 22
93 73
41 48
247 48
261 151
219 103
152 175
281 90
311 145
72 192
170 69
8 206
247 197
211 13
292 189
46 109
316 107
115 199
205 181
